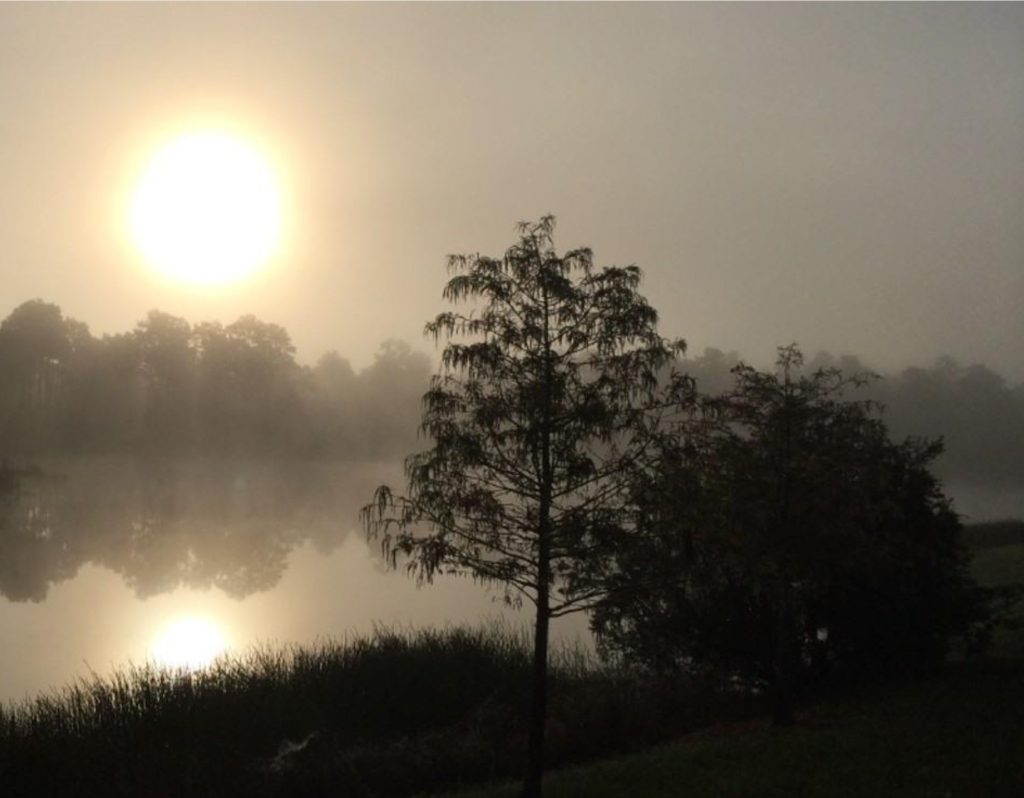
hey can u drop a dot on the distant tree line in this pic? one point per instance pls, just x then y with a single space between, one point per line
168 454
975 410
171 387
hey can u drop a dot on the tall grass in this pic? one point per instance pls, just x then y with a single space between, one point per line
388 714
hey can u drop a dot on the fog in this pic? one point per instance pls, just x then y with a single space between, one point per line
226 480
976 412
200 455
847 176
844 176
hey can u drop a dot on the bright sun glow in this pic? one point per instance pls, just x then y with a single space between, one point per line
207 209
191 642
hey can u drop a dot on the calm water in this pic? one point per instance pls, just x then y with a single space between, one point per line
101 555
98 556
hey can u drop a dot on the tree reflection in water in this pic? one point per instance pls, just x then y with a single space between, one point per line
164 524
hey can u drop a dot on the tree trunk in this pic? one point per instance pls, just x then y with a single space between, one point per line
782 710
538 704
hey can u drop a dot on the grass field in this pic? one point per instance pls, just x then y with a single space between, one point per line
959 734
953 736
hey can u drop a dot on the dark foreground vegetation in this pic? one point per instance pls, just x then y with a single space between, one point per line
400 714
390 715
955 735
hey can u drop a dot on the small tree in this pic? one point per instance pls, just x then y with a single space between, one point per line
538 423
786 531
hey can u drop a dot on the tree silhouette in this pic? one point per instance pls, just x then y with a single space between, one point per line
786 531
36 344
538 421
166 369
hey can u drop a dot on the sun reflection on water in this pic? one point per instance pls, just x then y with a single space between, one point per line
191 642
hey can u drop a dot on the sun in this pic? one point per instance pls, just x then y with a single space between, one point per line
207 208
191 642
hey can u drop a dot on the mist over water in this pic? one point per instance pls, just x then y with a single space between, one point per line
161 524
95 623
99 552
270 552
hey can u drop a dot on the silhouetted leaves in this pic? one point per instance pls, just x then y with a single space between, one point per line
786 534
537 423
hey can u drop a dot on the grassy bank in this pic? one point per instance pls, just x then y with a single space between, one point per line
957 735
146 731
391 714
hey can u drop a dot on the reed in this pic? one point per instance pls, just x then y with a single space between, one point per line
386 714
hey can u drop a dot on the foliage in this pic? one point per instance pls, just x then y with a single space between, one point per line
786 535
151 389
547 404
978 413
539 423
394 713
176 389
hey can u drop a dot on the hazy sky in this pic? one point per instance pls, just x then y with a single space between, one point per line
848 176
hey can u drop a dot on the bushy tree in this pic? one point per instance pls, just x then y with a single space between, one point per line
166 376
784 533
547 404
37 343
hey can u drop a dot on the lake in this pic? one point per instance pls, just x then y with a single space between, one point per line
99 555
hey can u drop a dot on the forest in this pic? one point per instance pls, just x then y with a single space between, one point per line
170 387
